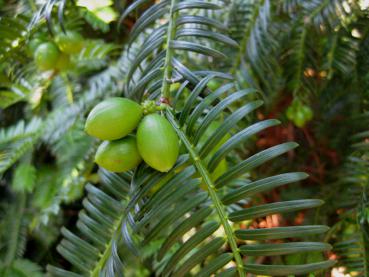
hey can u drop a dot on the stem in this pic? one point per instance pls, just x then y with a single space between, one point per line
116 236
16 227
332 231
107 253
246 37
101 263
317 10
300 60
68 88
363 224
330 56
219 207
365 239
165 88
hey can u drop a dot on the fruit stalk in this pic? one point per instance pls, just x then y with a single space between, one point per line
219 207
165 88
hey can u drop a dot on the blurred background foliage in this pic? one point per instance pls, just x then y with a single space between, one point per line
309 60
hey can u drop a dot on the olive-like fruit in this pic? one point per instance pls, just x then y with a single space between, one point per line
213 84
290 113
308 112
118 155
299 113
299 119
114 118
69 42
157 142
46 55
33 44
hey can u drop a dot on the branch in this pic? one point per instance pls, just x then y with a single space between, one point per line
219 207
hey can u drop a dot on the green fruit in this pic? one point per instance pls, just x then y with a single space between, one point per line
213 85
46 55
114 118
118 155
291 112
157 142
33 44
308 112
299 119
70 42
299 113
64 62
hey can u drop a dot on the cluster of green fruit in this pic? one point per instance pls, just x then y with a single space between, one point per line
299 113
114 120
55 54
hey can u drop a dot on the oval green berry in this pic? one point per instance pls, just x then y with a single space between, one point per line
308 112
33 45
118 155
157 142
69 42
114 118
213 84
46 55
299 119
